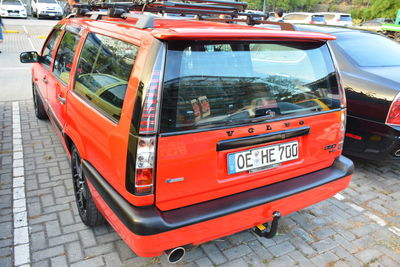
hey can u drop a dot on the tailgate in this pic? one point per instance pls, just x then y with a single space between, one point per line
236 116
190 169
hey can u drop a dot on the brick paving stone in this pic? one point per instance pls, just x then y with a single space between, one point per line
97 261
235 263
236 252
112 259
300 259
47 253
213 253
281 261
6 261
368 255
223 244
74 251
60 261
281 249
325 259
260 250
204 262
193 254
324 245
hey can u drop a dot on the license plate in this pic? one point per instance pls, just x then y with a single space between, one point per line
263 157
52 14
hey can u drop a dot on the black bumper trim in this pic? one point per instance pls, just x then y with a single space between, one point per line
149 220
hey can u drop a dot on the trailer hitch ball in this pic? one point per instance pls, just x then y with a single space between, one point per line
262 229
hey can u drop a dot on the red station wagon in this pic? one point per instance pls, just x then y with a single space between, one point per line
181 131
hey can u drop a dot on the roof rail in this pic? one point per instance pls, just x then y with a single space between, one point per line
211 10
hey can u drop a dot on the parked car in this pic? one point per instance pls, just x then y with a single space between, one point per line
12 9
46 8
376 22
370 66
213 124
338 19
304 18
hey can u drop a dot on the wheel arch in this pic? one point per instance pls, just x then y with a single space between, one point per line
71 137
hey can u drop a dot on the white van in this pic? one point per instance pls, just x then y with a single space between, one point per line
46 8
304 18
338 19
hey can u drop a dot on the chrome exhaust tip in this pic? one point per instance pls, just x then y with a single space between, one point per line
175 255
397 153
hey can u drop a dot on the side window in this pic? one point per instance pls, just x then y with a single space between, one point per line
65 56
103 71
49 48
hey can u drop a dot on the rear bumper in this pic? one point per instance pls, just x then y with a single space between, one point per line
149 231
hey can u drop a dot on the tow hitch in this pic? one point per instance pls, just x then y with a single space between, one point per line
261 229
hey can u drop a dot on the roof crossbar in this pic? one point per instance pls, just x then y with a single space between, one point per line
227 11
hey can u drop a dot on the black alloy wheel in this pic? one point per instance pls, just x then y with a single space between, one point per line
87 209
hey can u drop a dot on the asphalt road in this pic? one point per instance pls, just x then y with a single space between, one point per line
25 35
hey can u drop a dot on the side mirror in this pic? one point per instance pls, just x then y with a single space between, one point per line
29 57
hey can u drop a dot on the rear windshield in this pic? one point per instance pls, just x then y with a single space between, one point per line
345 17
319 18
225 84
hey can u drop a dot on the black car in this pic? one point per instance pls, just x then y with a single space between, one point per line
370 70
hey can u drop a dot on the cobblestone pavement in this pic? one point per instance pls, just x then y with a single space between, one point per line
358 228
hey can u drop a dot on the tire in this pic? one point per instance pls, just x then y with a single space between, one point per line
87 209
40 112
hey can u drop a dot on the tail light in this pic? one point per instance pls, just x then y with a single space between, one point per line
393 117
145 165
146 147
312 22
342 128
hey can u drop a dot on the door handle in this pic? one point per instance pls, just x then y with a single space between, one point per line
61 99
44 79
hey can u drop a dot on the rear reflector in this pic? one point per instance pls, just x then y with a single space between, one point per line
393 117
357 137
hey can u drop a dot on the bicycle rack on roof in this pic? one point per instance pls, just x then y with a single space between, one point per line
210 10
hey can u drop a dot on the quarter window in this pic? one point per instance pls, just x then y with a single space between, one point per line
103 71
49 48
65 56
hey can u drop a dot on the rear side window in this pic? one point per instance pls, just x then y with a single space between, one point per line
345 17
223 84
65 55
318 18
49 49
103 72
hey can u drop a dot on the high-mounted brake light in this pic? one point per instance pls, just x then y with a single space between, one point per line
146 147
393 117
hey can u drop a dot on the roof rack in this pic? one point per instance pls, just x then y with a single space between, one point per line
211 10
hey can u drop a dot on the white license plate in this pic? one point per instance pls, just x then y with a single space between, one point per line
52 14
262 157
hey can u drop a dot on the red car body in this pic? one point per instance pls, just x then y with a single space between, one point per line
209 202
